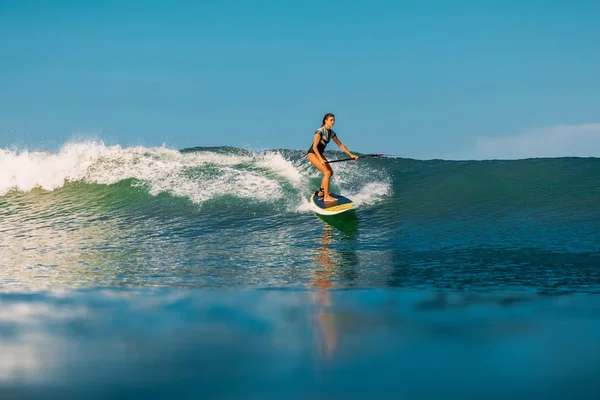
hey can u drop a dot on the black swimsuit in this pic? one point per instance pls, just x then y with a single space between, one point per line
326 135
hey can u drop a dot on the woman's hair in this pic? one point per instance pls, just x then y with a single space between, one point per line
327 116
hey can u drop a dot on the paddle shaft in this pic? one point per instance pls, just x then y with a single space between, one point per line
348 159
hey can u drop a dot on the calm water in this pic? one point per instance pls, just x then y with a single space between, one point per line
203 273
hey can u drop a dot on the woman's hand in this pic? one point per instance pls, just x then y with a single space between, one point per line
353 156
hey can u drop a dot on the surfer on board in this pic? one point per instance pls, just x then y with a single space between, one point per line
315 154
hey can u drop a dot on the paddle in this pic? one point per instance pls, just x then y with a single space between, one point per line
365 156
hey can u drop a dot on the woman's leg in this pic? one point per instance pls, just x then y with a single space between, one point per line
327 174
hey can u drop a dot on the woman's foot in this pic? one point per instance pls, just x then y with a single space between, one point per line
329 199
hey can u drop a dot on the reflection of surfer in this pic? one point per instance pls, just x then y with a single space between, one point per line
315 154
326 318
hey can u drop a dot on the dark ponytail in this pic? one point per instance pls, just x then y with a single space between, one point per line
325 118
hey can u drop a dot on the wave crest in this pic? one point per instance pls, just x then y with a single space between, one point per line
199 174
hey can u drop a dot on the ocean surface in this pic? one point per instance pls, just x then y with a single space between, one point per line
134 272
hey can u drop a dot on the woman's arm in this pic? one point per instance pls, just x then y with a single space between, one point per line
316 141
344 148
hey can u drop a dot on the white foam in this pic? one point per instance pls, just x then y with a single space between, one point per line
370 194
304 206
285 168
162 169
27 170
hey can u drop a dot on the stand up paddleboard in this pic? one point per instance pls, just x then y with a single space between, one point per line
342 204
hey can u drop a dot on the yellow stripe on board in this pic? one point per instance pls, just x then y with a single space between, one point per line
340 207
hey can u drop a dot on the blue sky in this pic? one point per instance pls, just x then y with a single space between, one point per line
422 79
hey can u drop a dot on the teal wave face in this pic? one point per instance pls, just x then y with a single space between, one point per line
223 180
566 185
239 176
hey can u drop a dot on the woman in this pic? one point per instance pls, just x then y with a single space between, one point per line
315 154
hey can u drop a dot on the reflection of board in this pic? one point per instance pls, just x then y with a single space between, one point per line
342 204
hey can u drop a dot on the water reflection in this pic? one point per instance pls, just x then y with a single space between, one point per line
329 262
